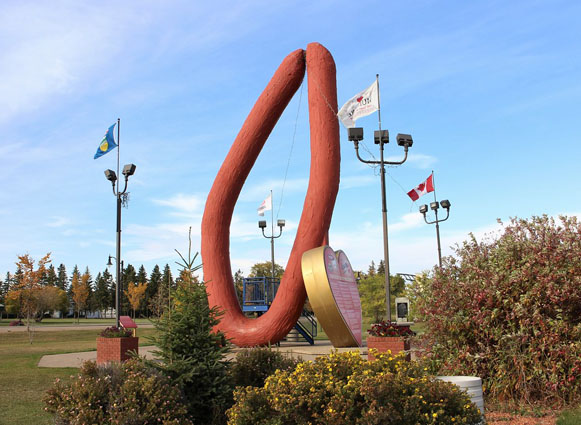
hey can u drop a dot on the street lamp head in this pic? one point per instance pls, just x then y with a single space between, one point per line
109 263
262 224
111 176
280 223
129 169
434 205
424 209
404 140
381 136
355 134
445 204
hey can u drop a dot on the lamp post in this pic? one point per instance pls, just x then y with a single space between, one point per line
109 264
381 137
262 226
128 170
434 206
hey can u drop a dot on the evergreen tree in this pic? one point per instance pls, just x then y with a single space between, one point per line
381 268
129 275
152 288
51 277
90 305
239 285
371 270
62 278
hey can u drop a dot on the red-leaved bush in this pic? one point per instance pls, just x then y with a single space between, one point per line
508 309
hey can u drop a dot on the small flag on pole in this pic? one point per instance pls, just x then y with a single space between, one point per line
265 206
107 144
360 105
423 188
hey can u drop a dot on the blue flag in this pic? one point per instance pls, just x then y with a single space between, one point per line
107 144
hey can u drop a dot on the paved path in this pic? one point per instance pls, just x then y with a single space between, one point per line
303 350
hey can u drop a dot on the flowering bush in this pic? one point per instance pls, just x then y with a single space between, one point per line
384 328
115 332
16 323
251 367
127 393
508 309
342 388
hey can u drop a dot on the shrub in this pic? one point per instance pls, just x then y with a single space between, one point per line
508 309
127 393
16 323
251 367
115 332
384 328
345 389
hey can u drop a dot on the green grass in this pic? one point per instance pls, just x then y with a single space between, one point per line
570 417
73 322
22 383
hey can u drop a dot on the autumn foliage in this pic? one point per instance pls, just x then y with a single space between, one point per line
508 309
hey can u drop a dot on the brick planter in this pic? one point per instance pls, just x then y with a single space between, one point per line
384 343
115 349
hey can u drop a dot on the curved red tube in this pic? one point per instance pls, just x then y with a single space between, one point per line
318 206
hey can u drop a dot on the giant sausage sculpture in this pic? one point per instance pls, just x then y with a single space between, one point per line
317 209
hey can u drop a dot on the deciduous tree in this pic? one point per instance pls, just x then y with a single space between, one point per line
135 293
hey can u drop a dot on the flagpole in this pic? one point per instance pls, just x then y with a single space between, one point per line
118 232
437 223
272 232
383 209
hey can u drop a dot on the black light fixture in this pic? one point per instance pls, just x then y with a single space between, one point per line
404 140
381 136
109 262
111 176
434 205
355 134
424 209
129 170
280 223
445 204
262 224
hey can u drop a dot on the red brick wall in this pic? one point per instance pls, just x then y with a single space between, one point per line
384 343
115 349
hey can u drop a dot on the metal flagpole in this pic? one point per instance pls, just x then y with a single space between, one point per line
384 209
118 241
272 233
437 223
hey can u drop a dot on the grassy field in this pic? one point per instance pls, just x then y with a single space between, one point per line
73 322
22 383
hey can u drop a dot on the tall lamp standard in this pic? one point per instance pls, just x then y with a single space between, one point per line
434 206
109 264
128 170
262 226
381 137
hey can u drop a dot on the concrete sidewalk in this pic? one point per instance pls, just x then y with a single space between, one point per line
294 349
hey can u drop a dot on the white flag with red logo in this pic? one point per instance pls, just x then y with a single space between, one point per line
360 105
265 206
422 189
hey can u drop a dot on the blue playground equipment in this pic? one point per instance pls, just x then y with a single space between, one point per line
257 296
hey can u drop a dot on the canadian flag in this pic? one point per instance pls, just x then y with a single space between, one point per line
422 188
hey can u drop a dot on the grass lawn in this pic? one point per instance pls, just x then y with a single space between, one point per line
73 322
22 383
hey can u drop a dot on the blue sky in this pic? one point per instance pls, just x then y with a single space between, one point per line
490 91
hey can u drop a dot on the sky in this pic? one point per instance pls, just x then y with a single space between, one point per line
489 90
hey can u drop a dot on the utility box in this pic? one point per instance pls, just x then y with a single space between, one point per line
402 309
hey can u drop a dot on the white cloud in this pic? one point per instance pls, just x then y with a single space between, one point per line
58 222
183 203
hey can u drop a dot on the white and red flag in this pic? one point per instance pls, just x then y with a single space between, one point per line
265 206
360 105
423 188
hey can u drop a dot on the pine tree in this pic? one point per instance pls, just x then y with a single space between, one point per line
152 288
51 277
381 268
371 271
62 278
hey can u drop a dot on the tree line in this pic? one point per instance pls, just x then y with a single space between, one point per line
36 289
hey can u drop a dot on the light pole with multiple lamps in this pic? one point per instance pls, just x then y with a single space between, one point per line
128 170
262 226
434 206
381 137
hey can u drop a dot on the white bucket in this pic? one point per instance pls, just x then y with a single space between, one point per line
470 384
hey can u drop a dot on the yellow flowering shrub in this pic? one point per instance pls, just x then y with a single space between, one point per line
343 388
